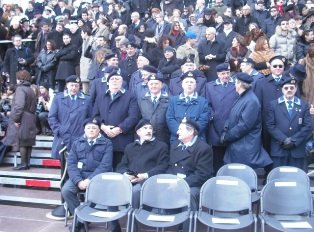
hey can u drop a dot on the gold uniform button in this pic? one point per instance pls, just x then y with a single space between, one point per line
290 128
175 165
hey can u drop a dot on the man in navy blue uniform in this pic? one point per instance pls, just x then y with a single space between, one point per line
67 114
90 155
288 121
119 114
187 105
221 95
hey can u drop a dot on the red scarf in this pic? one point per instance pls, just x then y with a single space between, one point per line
175 32
280 9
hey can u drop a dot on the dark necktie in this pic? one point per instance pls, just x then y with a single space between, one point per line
155 101
73 98
290 108
91 143
225 84
183 148
159 29
188 100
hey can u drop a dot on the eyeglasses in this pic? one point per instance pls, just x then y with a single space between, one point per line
284 24
185 11
289 87
273 11
277 66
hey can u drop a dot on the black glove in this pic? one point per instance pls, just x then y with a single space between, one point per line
223 136
288 144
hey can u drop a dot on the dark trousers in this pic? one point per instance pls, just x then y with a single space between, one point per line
218 161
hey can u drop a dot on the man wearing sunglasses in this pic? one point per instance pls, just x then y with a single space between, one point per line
288 121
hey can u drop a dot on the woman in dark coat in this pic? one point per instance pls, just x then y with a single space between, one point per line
47 65
158 52
22 130
177 34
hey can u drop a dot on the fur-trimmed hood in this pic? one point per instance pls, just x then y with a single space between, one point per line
291 32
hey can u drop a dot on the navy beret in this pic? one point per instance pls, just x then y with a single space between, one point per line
298 72
112 55
248 60
188 59
144 55
150 68
189 74
244 77
142 123
94 121
223 67
290 81
109 69
191 123
282 58
73 78
169 48
36 11
115 72
131 45
155 77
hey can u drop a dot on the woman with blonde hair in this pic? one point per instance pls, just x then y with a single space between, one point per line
261 55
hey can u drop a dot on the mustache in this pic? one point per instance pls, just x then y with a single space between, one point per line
148 134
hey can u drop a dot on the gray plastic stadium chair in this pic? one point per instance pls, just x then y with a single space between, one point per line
164 192
105 189
286 203
225 203
291 173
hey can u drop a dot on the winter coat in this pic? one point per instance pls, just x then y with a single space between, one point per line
46 67
200 30
66 58
308 83
241 27
94 159
301 49
167 67
88 67
22 111
284 45
243 138
269 26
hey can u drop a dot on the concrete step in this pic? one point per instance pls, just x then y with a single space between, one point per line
38 153
40 162
29 195
29 182
38 173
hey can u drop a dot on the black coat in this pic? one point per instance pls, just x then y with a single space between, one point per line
11 64
46 68
241 27
196 162
66 58
167 67
151 157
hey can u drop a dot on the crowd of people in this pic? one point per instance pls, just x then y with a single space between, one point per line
163 86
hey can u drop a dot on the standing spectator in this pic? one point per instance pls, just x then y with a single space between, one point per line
260 13
270 24
42 37
30 9
288 122
242 130
199 28
262 55
187 105
161 27
304 44
221 95
177 34
129 64
220 7
119 113
67 114
211 52
62 9
247 66
46 64
65 57
283 42
22 130
308 83
57 35
228 34
149 42
136 21
242 24
199 10
188 49
17 58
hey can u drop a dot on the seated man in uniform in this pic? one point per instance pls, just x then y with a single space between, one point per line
90 155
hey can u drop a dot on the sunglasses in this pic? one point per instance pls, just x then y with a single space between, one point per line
277 66
289 87
273 11
284 24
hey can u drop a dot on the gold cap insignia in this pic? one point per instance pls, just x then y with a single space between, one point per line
152 77
245 60
283 59
94 121
293 81
77 79
188 60
116 56
190 74
184 120
118 72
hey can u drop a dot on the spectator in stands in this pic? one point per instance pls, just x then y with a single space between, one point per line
247 66
177 34
187 105
188 49
67 114
104 27
90 155
6 100
228 34
245 124
3 128
187 64
237 52
270 24
66 65
22 130
288 121
262 54
161 27
221 95
211 52
220 7
260 13
191 158
119 125
308 83
283 42
199 28
242 24
57 35
46 64
149 43
45 98
42 37
129 64
176 16
304 44
17 58
158 52
168 64
136 21
30 9
62 8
